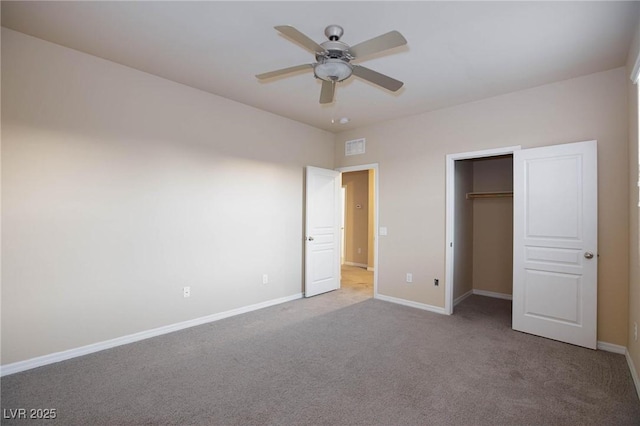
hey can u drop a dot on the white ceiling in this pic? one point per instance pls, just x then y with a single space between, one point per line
457 52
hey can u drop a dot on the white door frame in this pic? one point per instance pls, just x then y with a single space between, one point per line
450 214
376 203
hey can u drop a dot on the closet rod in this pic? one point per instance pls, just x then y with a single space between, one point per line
492 194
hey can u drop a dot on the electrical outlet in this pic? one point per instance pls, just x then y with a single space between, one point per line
186 291
265 279
409 277
436 282
635 331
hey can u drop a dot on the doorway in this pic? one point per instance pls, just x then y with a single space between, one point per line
359 248
479 216
483 240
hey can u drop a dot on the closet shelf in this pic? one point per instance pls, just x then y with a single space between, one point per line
492 194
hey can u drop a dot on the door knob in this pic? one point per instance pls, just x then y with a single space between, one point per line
588 255
311 239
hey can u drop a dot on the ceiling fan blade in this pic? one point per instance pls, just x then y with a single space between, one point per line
327 92
283 71
377 78
378 44
297 36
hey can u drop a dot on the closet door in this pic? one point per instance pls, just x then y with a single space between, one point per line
555 262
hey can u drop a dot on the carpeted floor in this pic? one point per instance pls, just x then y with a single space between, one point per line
341 358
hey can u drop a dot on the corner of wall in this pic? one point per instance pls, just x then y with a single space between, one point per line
633 346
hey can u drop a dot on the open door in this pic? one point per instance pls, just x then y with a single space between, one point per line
322 240
555 264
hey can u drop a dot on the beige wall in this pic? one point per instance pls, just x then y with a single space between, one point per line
119 188
411 155
463 244
356 219
634 234
493 226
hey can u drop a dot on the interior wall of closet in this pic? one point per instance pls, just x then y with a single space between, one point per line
483 227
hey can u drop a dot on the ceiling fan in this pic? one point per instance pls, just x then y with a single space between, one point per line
333 59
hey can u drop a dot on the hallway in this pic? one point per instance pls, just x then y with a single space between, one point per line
357 281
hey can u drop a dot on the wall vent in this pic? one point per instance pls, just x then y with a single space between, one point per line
354 147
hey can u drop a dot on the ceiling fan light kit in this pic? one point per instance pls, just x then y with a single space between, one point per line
333 59
333 70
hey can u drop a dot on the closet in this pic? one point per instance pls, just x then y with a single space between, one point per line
483 227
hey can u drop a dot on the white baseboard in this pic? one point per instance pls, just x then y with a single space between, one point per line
610 347
493 294
483 293
360 265
634 372
618 349
461 298
410 303
40 361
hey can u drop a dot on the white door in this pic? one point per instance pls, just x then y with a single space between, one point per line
555 262
322 240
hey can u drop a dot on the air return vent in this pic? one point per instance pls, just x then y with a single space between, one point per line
354 147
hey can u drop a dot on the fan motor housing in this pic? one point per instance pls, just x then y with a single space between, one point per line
335 50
